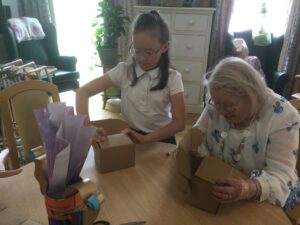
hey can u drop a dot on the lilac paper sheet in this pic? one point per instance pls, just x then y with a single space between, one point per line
66 141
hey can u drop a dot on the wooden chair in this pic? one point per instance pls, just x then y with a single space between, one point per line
296 87
294 214
17 103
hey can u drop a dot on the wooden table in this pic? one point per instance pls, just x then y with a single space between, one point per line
149 191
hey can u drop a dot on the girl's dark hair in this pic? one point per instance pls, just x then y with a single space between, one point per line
151 21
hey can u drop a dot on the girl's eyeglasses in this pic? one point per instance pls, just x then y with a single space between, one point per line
148 53
225 107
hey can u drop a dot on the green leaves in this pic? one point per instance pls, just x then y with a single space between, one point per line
109 24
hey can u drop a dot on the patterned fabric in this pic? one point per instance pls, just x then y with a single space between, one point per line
254 61
26 28
269 151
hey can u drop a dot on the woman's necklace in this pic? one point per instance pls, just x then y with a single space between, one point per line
236 153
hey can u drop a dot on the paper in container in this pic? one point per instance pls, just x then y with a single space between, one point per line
66 140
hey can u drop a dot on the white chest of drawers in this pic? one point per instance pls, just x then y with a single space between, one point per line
190 29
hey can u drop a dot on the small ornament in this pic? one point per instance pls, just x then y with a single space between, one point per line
237 157
224 134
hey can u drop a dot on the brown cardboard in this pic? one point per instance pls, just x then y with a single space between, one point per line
111 126
192 139
199 174
118 152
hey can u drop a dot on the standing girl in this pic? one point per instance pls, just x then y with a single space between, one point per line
151 92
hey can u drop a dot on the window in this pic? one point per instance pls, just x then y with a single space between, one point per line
74 30
247 15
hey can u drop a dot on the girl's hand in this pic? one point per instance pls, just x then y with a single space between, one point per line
100 135
135 136
231 189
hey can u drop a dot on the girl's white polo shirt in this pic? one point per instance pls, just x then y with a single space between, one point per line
143 109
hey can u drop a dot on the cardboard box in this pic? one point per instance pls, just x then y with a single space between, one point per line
118 152
199 174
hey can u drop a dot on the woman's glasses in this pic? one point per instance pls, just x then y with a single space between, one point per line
231 107
148 53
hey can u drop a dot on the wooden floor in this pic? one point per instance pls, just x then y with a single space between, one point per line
112 110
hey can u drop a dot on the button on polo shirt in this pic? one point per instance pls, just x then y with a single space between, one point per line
143 109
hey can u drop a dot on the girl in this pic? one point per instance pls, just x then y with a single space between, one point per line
151 92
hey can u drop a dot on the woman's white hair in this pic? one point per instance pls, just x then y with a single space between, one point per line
235 76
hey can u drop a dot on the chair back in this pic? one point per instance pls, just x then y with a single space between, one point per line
296 104
17 103
268 56
296 87
44 52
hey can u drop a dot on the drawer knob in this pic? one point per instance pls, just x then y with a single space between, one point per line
191 22
187 70
189 46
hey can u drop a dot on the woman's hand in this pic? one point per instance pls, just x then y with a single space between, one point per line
231 189
100 135
135 136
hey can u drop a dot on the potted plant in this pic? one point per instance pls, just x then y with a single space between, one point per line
109 25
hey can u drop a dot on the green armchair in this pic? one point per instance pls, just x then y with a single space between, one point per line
268 56
44 52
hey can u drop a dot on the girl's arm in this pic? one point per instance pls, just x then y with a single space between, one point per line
90 89
176 125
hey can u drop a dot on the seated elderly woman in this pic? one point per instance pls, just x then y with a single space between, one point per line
257 131
240 49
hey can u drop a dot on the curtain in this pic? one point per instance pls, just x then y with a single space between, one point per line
219 31
290 55
125 40
43 10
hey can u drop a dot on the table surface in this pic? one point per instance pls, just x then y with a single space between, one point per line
150 191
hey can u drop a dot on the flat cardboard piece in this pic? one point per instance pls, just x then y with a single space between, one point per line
211 168
192 139
199 174
201 195
118 152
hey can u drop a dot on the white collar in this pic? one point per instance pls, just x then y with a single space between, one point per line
154 73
